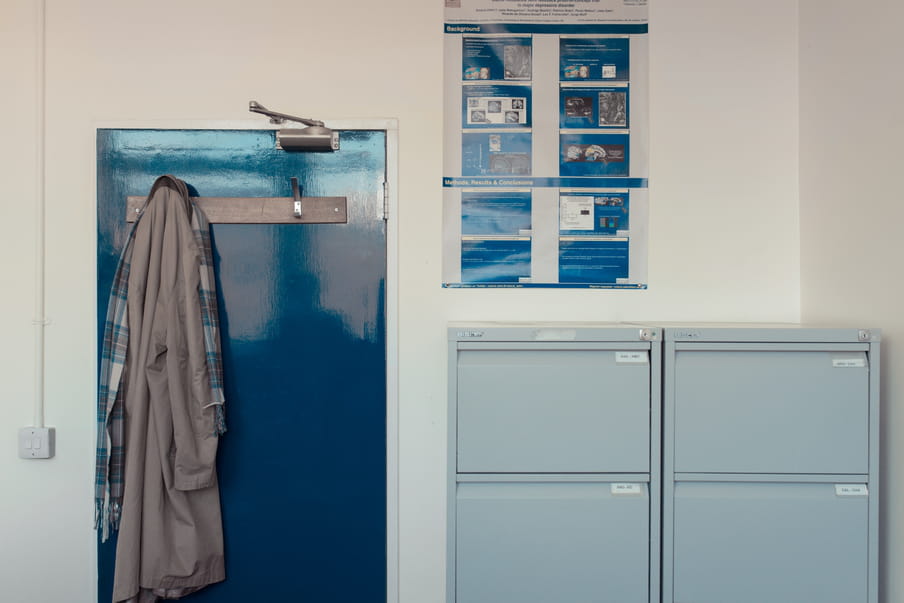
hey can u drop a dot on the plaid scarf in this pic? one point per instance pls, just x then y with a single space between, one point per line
110 457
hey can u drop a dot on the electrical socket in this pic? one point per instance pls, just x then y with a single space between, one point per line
36 442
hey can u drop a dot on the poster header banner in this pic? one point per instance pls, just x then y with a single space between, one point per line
603 183
546 28
559 12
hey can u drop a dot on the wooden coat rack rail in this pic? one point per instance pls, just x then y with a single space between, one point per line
262 210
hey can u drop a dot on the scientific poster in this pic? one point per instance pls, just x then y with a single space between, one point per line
546 153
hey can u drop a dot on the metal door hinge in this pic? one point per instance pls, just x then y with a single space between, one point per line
385 200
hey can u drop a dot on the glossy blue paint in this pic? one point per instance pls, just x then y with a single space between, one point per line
302 467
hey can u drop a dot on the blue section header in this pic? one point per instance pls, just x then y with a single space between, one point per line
478 182
546 28
544 285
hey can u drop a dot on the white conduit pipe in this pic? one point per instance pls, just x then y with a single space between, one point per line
40 321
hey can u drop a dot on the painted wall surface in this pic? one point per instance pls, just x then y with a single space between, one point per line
45 517
724 228
852 206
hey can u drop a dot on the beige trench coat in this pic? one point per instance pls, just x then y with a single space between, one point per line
171 536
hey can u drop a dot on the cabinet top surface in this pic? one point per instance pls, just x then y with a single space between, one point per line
767 332
552 332
656 331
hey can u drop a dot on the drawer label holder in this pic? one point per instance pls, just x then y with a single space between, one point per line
623 489
851 490
633 357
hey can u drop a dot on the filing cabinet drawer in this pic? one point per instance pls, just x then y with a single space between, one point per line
550 411
748 542
771 411
545 542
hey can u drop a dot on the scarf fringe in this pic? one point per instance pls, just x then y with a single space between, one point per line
107 516
220 419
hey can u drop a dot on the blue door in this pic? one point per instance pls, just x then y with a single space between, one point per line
302 468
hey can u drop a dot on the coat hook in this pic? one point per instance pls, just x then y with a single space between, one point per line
296 195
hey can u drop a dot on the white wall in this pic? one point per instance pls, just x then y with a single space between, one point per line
852 208
724 227
37 529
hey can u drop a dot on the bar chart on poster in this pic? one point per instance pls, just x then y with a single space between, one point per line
545 153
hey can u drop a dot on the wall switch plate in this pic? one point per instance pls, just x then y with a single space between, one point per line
36 442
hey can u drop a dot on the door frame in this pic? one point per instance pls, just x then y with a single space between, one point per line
391 127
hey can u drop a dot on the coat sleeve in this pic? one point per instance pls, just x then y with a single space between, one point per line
195 436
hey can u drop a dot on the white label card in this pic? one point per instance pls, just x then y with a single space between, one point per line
851 490
849 362
627 489
638 357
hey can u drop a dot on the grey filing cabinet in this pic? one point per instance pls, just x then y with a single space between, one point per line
770 465
554 464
